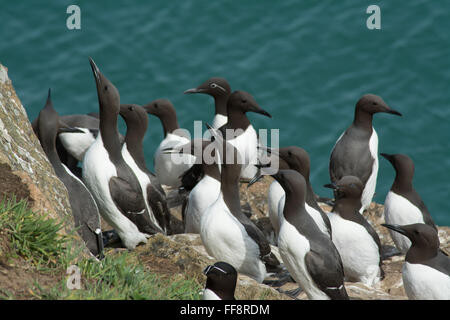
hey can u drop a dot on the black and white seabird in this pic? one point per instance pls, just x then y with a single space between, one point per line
239 132
297 159
84 208
71 146
77 144
356 151
220 282
227 233
308 254
426 271
403 205
356 240
220 90
136 120
169 167
207 190
111 181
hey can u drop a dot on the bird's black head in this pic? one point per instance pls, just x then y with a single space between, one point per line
244 102
108 95
424 240
134 115
348 187
403 165
371 104
297 159
215 87
221 279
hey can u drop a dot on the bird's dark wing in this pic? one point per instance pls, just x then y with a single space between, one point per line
131 204
329 277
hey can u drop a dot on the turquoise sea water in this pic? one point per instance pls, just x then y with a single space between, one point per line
305 62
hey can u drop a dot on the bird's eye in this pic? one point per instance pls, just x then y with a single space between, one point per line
244 100
213 85
130 108
106 88
374 103
289 153
156 105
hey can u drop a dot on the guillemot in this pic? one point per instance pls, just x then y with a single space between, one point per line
356 151
239 132
220 90
136 120
403 205
220 282
308 254
84 208
356 240
297 159
426 271
169 167
111 181
207 189
228 234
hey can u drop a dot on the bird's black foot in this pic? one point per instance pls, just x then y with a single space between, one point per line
110 238
291 293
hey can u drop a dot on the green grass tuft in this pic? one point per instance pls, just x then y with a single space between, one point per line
38 240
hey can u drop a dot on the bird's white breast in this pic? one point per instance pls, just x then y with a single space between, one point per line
246 144
97 171
201 197
293 247
275 194
369 189
77 143
422 282
169 167
399 210
359 252
225 238
208 294
219 120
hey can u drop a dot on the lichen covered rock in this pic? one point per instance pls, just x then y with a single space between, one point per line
25 171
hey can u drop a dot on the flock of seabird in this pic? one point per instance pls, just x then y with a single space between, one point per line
319 250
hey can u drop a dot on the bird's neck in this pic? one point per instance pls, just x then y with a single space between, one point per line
169 123
221 105
418 254
401 183
110 132
363 119
347 207
135 148
237 119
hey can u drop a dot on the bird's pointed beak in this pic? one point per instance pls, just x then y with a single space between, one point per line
392 111
261 111
194 90
395 227
95 70
333 186
389 157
